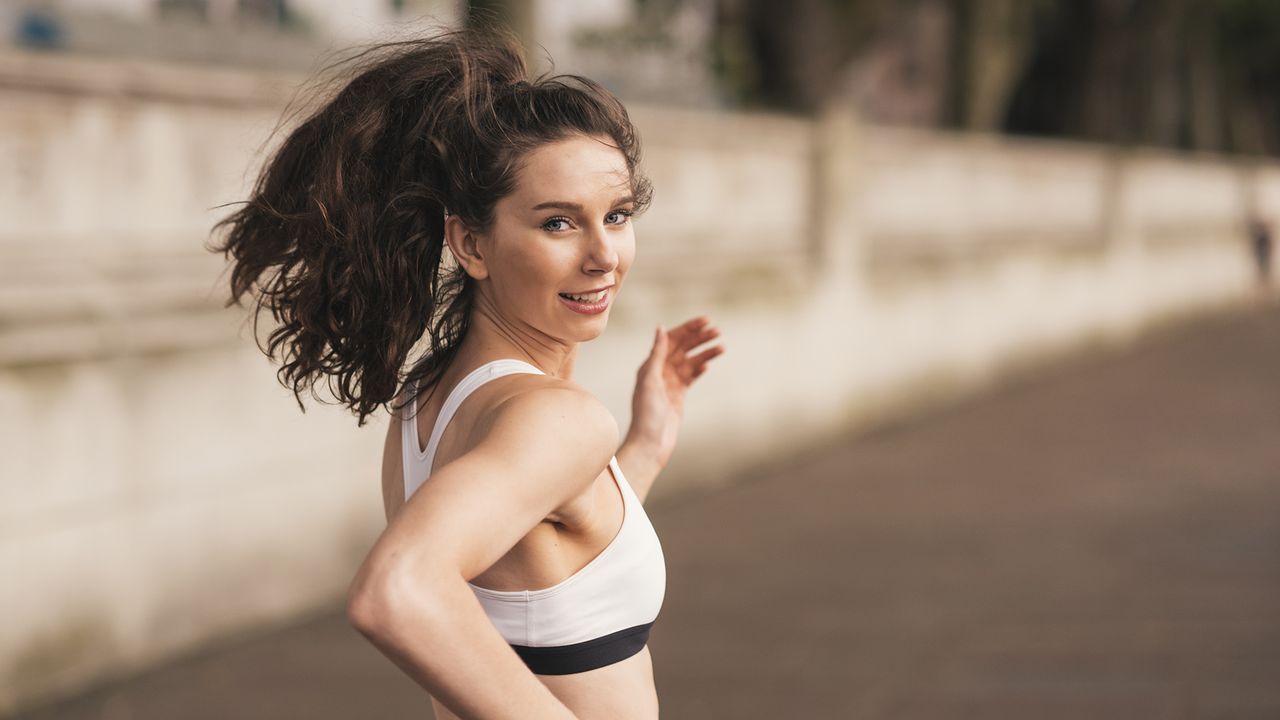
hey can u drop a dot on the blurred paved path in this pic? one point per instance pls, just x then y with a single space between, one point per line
1101 542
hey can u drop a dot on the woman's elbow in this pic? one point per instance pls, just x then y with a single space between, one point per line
373 600
381 597
366 608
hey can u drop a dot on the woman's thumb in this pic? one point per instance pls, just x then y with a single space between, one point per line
659 341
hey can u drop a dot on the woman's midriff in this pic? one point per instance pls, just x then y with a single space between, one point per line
622 691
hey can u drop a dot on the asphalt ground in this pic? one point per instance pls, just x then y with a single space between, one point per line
1101 540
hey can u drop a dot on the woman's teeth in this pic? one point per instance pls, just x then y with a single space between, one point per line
590 298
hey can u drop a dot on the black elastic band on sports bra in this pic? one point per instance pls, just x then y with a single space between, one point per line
586 655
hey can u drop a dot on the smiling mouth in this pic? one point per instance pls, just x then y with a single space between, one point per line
589 298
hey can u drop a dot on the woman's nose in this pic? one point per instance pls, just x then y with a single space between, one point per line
602 254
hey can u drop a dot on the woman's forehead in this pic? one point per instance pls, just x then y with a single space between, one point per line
576 168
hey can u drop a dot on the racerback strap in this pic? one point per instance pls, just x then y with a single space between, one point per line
418 461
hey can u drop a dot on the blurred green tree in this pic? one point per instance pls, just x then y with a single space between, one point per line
1194 74
1248 42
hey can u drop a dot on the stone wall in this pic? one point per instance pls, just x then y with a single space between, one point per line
158 489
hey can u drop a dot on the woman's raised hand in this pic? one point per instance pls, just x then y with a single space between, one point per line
657 406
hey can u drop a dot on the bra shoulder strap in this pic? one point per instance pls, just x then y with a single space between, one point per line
424 458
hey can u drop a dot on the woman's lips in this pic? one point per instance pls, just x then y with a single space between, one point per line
588 308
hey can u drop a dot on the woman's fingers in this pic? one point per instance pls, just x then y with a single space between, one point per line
699 361
708 333
694 366
693 333
682 333
660 351
682 339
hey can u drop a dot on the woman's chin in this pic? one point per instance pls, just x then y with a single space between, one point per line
589 334
591 329
583 327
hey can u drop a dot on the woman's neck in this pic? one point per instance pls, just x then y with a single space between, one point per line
488 340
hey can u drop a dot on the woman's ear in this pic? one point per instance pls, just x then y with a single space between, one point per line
465 247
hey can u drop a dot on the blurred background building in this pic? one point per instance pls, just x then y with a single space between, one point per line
890 204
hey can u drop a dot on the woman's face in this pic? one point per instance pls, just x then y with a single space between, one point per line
565 230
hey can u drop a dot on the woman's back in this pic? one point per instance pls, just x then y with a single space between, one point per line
563 583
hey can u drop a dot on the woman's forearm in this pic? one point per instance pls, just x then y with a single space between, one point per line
446 643
639 461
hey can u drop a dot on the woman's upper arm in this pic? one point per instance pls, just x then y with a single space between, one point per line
537 450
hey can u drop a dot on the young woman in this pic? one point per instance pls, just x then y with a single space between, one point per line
518 575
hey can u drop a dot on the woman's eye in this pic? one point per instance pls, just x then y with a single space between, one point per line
553 225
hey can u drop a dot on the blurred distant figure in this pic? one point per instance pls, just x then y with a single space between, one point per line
1261 243
38 27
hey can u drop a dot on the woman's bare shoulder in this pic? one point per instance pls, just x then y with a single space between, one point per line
543 399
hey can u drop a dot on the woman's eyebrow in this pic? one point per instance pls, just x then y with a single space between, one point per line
564 205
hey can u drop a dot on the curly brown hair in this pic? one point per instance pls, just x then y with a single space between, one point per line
342 238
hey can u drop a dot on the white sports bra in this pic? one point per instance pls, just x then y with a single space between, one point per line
597 616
